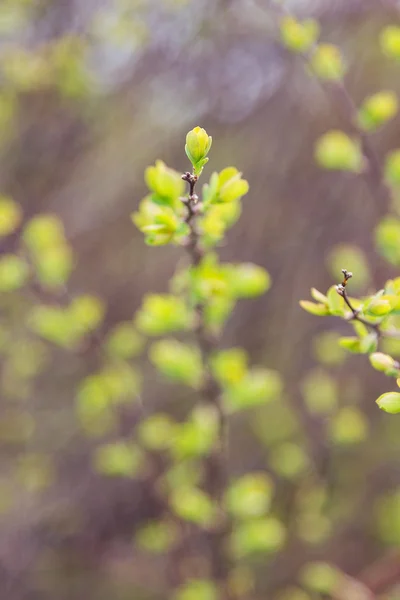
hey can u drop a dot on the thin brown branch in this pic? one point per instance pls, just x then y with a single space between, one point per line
215 462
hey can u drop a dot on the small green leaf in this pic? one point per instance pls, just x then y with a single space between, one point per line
161 314
389 402
352 344
318 296
156 537
320 577
123 341
390 41
337 151
157 432
259 386
178 361
299 36
193 505
349 426
10 216
327 62
320 310
118 459
377 109
14 272
249 281
385 363
335 302
255 536
250 496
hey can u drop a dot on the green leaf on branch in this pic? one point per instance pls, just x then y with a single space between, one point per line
335 302
390 41
225 187
257 536
352 344
162 314
249 496
320 310
258 387
157 432
193 505
299 36
178 361
335 150
14 272
165 183
157 537
197 436
118 459
377 110
389 402
248 280
327 62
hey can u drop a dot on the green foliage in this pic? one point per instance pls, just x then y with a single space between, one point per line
390 41
225 187
377 110
389 402
336 151
178 361
299 36
250 496
123 341
319 577
117 460
198 435
10 216
48 249
156 537
327 62
193 505
257 536
163 313
14 272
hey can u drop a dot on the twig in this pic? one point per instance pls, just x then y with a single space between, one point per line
355 313
215 463
342 291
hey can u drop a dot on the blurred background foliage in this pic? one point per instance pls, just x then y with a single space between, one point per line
90 94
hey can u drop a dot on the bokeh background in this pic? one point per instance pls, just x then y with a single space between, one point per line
90 94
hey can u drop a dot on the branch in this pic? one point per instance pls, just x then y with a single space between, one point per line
215 463
355 316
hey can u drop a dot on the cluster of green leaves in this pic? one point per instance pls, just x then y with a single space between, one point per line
164 217
375 315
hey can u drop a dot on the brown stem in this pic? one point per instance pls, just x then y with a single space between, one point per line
215 462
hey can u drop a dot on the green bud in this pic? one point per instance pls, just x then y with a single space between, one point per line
378 109
10 216
390 41
389 402
327 62
392 167
381 362
198 144
337 151
299 36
